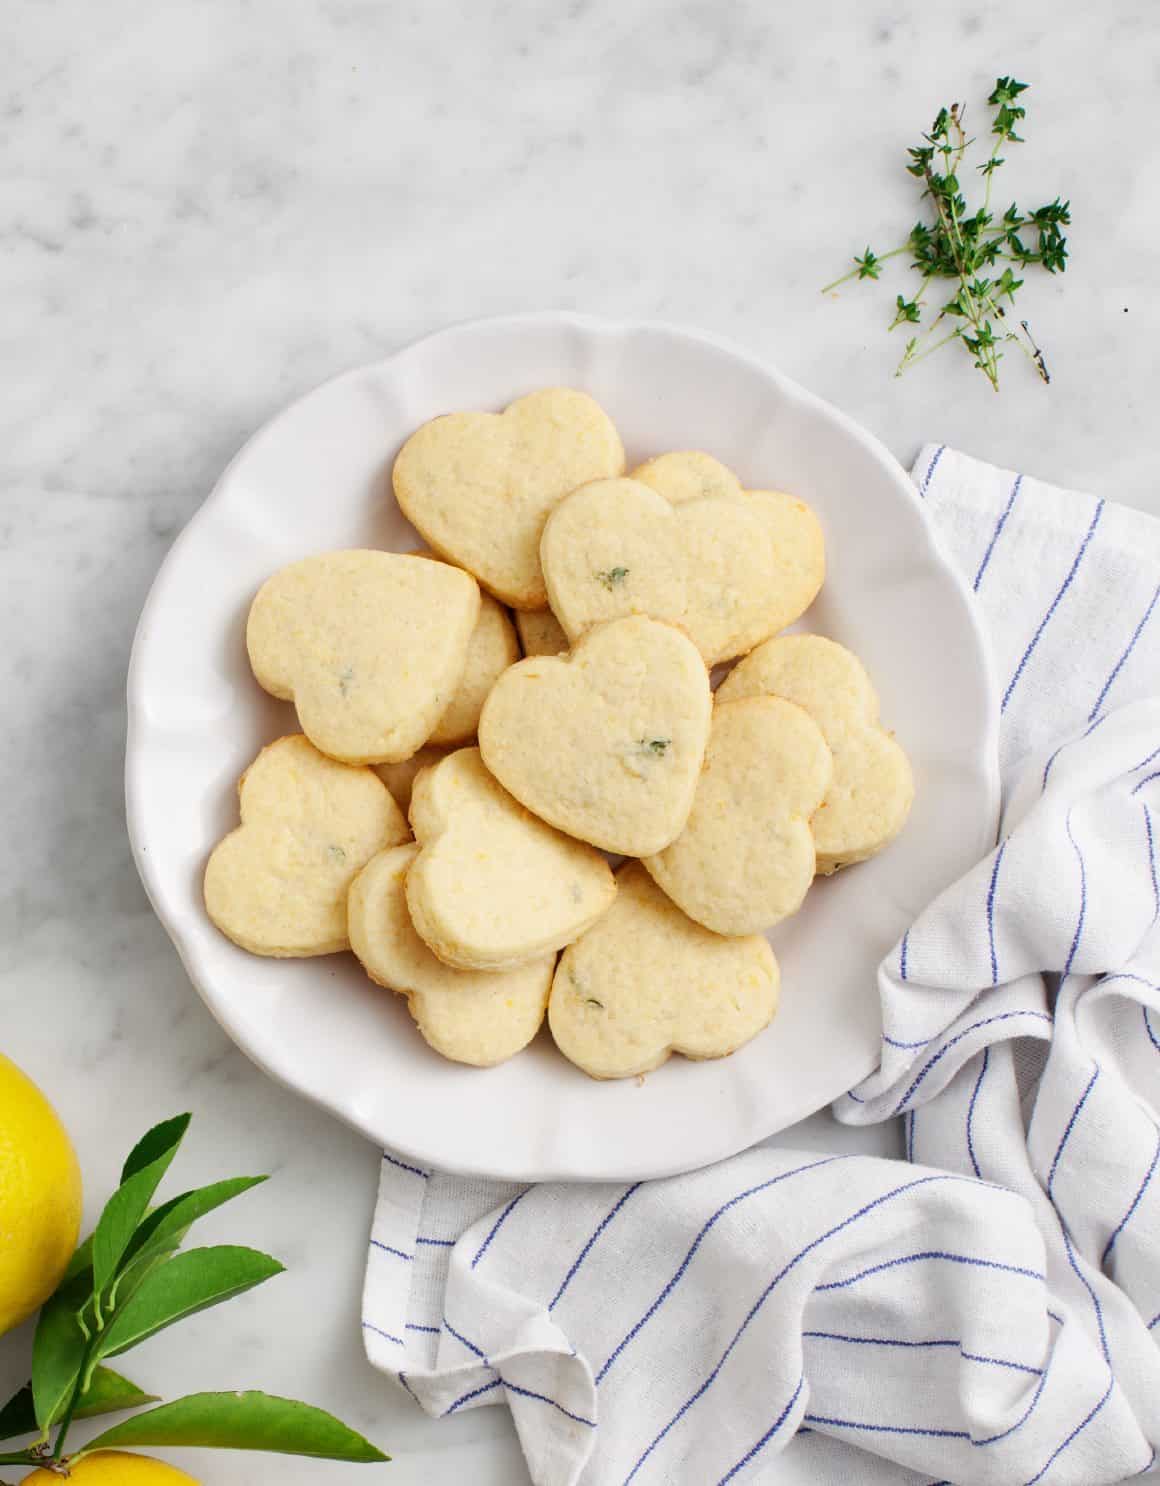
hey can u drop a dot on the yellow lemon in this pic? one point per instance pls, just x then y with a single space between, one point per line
115 1468
40 1197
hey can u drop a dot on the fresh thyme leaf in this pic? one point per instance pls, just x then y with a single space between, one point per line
908 310
869 267
612 577
658 747
968 246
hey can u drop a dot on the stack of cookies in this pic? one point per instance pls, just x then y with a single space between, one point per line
448 810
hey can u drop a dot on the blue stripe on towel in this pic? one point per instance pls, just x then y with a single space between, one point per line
1046 620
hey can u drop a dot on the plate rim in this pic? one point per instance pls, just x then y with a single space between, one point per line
986 761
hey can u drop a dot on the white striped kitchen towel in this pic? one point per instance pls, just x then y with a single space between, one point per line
988 1312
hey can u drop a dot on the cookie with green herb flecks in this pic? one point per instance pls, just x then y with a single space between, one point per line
277 884
647 981
799 548
746 859
707 565
606 742
480 486
369 646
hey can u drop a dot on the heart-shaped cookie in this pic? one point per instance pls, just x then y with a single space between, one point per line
606 742
470 1016
540 632
493 886
617 547
872 789
745 860
492 648
480 486
646 981
798 544
277 884
369 646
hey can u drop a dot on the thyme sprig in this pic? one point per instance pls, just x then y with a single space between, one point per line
979 251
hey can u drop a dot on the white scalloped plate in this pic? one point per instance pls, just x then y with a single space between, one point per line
318 477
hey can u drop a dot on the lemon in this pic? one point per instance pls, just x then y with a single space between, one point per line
115 1468
40 1197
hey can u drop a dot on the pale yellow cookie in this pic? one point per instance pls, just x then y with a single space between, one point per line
617 547
492 648
400 777
646 981
480 486
540 632
798 544
870 797
745 860
606 742
687 474
493 886
369 646
277 884
470 1016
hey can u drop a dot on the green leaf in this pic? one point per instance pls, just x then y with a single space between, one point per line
182 1286
58 1350
18 1416
166 1136
134 1274
242 1421
167 1224
147 1164
869 266
108 1393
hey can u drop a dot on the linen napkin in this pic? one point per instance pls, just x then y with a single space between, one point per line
987 1311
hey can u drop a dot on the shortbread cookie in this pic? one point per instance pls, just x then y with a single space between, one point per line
540 632
745 860
617 547
688 474
369 646
798 544
492 886
399 778
277 884
492 648
646 981
480 486
870 797
470 1016
605 743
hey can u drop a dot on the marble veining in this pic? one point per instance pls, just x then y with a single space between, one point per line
208 208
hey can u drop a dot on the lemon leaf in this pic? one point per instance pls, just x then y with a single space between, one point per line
109 1393
167 1225
58 1350
147 1164
242 1421
180 1287
161 1139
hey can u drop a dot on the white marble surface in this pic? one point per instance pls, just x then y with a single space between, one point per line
208 207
